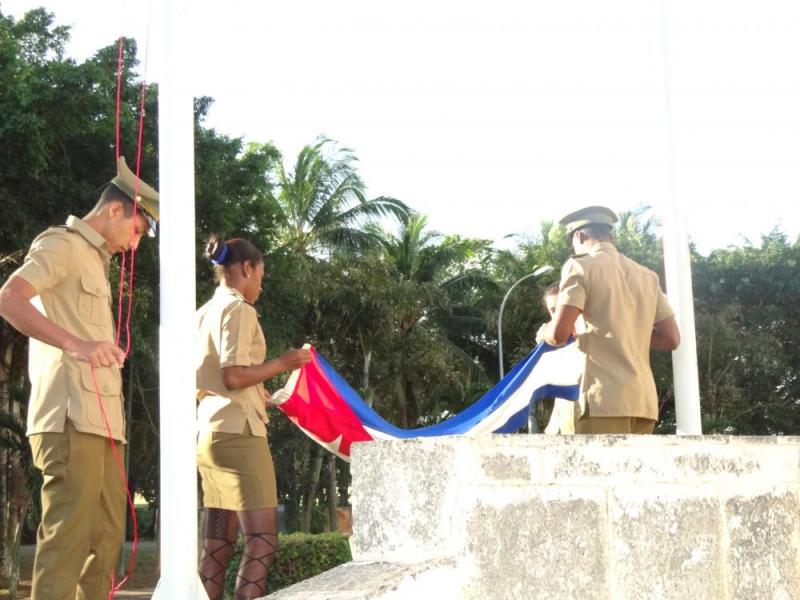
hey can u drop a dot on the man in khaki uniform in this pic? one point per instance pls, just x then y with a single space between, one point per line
626 315
74 368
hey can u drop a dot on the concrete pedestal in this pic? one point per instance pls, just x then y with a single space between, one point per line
590 517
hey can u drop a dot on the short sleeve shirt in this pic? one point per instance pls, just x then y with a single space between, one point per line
68 268
229 335
620 301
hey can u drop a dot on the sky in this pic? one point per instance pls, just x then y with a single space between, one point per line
491 117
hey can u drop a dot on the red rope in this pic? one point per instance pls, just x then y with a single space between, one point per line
119 87
115 586
142 98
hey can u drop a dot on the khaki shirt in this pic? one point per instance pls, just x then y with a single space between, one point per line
621 301
229 335
68 268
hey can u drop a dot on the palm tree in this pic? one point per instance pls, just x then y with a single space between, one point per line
426 256
322 204
445 274
322 207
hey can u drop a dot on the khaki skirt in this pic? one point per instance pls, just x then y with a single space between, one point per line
236 471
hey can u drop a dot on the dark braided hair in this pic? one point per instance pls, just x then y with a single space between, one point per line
227 253
550 290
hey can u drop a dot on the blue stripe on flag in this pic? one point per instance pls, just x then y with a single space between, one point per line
464 421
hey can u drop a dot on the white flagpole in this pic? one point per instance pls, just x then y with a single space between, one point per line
178 496
678 271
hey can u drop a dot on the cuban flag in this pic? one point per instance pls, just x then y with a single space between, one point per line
328 410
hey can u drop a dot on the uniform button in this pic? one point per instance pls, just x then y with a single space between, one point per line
105 389
97 291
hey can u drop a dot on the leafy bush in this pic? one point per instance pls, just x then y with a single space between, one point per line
145 518
298 557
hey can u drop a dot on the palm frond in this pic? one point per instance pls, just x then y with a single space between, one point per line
382 206
471 279
348 239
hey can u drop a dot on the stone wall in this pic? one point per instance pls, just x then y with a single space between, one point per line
605 517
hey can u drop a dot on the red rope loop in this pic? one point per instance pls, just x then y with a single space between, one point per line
116 585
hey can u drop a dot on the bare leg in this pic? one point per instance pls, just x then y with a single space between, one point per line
219 543
260 528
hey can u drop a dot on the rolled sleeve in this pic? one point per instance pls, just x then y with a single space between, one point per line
236 336
47 262
663 309
572 289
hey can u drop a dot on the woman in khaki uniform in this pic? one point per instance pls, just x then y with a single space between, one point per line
239 490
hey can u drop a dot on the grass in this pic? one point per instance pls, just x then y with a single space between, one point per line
145 572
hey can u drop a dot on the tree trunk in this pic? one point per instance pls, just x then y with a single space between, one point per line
4 513
5 465
308 509
332 496
15 482
412 410
16 510
365 377
13 580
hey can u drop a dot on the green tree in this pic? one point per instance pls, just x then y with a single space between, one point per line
322 205
524 312
57 128
748 337
434 315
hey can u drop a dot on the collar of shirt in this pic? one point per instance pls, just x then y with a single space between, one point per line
90 235
224 290
602 247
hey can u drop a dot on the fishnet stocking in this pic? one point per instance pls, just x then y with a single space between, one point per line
219 543
260 530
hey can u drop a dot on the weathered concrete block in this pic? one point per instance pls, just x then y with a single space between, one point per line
547 546
368 581
597 517
665 543
400 507
764 550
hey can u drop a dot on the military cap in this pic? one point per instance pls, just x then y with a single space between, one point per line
147 197
599 215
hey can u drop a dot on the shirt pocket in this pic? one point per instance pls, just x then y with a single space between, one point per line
94 300
109 386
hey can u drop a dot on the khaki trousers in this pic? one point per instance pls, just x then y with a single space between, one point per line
83 507
597 425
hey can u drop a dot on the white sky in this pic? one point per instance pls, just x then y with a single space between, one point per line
493 116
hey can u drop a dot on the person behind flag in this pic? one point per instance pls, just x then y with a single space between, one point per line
233 457
626 315
562 419
74 364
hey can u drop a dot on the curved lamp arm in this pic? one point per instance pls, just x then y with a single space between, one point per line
536 273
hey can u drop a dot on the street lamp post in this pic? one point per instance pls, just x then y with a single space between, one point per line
540 271
532 428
